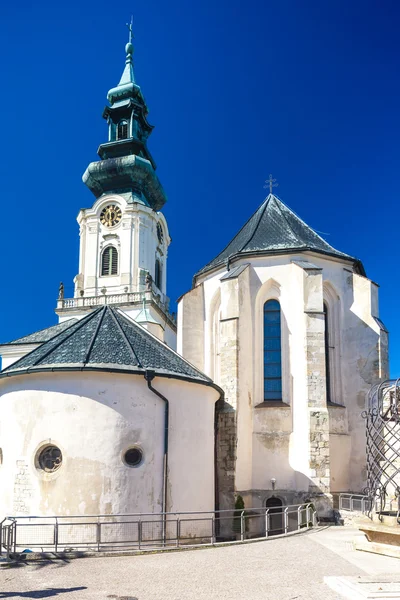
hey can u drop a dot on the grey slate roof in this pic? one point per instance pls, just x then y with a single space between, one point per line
106 340
275 229
44 335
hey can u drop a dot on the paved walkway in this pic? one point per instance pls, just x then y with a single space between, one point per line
282 569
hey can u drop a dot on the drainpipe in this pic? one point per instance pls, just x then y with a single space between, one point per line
149 376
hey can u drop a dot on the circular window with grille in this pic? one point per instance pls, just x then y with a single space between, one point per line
133 457
49 458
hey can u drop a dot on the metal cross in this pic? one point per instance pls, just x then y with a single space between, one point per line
130 28
270 183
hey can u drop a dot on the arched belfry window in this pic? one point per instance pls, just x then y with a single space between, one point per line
158 274
109 261
327 355
122 130
272 351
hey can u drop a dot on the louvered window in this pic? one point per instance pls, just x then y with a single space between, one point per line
157 277
122 130
272 351
109 261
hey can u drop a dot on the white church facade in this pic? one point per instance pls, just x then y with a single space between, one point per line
256 390
289 328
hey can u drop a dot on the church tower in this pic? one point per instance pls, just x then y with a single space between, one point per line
124 237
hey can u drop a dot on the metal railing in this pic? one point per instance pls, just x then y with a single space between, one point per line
382 418
355 503
99 533
152 295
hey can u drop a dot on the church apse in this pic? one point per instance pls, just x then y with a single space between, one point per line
304 438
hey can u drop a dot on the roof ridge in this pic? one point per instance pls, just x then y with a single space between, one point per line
133 352
92 341
80 324
266 202
317 234
287 222
314 231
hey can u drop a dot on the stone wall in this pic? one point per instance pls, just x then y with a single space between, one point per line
22 488
225 457
229 355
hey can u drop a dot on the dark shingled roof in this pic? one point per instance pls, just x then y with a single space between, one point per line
44 335
106 340
275 229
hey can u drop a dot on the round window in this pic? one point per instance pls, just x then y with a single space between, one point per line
50 459
133 457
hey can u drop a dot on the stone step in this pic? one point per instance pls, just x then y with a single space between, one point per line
378 587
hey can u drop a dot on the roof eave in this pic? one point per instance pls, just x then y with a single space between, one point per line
111 369
246 254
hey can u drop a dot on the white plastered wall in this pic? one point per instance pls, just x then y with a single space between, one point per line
94 418
135 238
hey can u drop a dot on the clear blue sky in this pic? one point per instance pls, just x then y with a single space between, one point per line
306 90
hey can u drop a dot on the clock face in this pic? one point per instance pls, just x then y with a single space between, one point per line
110 215
160 234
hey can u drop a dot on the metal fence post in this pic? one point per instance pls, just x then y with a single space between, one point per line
8 541
1 537
98 533
178 531
299 518
139 533
242 526
286 519
56 535
266 522
213 537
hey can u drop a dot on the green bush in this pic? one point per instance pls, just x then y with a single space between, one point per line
239 508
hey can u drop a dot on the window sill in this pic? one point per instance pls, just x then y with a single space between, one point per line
334 405
272 404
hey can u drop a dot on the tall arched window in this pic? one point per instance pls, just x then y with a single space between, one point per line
109 261
158 274
327 355
122 130
272 351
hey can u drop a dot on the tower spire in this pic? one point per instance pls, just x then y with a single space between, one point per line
128 130
128 74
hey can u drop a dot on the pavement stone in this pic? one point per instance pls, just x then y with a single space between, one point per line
282 569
